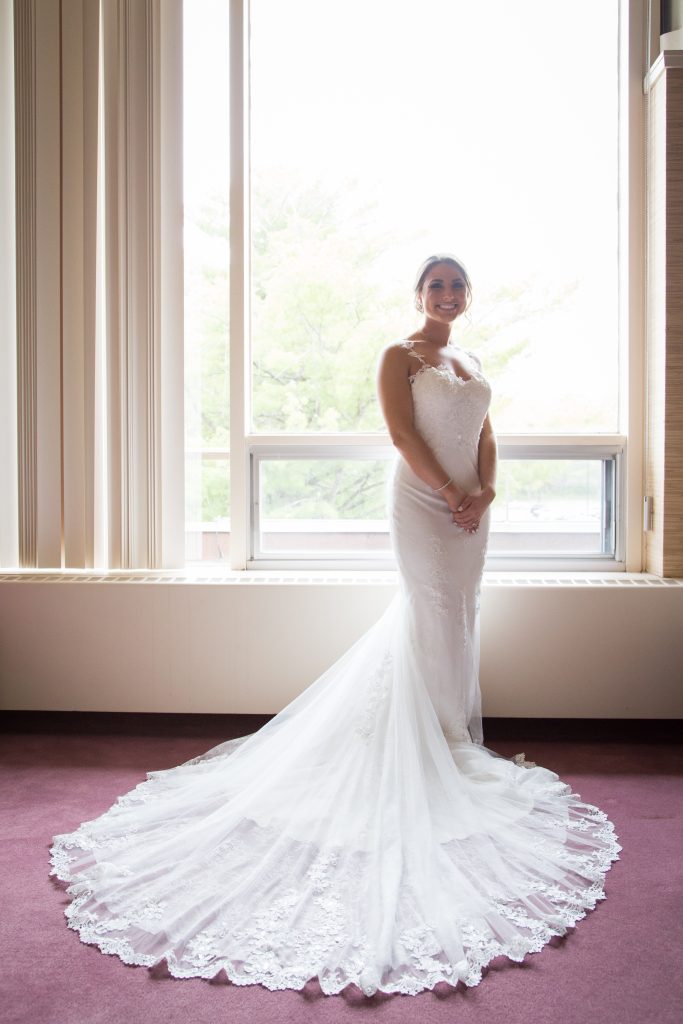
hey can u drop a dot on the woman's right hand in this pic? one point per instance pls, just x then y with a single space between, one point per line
454 495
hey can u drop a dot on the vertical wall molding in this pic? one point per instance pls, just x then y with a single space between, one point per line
240 370
170 346
632 268
664 458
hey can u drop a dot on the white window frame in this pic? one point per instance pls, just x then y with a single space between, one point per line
626 445
547 448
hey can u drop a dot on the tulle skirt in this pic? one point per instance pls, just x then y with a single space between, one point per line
349 840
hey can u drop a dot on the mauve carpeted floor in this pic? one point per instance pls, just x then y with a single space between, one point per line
620 965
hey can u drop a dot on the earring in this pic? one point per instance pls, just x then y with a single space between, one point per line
419 307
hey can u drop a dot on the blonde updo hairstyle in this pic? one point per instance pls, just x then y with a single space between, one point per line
445 257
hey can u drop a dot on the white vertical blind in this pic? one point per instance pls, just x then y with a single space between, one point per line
38 226
9 523
71 429
78 158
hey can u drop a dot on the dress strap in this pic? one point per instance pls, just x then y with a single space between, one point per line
410 345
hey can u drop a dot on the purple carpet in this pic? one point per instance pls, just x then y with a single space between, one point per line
620 964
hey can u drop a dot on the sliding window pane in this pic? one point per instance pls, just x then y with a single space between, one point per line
554 507
323 507
336 507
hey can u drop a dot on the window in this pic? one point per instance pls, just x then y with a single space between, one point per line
377 134
206 143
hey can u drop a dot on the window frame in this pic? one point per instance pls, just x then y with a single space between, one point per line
369 446
626 446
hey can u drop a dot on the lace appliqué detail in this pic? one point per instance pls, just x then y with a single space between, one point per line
376 693
437 587
463 622
520 759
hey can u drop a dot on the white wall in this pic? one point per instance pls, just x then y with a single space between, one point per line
572 650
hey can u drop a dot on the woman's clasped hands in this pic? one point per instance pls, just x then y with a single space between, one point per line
467 509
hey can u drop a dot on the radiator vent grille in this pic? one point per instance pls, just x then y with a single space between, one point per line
265 578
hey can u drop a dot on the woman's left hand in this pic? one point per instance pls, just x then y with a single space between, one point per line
472 507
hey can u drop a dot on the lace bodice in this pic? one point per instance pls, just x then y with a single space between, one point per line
449 411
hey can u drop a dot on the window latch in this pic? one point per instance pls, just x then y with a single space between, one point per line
647 513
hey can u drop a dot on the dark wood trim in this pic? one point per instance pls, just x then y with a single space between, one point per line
593 730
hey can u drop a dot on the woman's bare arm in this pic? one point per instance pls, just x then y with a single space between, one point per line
488 458
475 504
396 403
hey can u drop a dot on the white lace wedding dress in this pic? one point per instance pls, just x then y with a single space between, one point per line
364 835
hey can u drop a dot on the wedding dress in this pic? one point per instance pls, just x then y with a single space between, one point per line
365 834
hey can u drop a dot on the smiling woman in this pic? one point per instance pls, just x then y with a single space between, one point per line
453 297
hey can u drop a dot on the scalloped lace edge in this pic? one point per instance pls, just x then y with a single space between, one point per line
469 971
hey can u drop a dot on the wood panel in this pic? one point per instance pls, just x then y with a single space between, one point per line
664 446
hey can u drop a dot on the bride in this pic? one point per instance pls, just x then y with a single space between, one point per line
364 835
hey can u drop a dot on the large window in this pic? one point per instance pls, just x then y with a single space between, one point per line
372 134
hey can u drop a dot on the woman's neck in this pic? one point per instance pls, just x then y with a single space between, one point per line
436 333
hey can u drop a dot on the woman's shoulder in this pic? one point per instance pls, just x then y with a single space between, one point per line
397 357
400 343
396 349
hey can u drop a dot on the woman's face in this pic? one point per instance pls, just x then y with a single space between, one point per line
443 293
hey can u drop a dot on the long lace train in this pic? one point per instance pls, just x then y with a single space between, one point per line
346 840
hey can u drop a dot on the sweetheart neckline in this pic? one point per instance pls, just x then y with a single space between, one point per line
443 369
